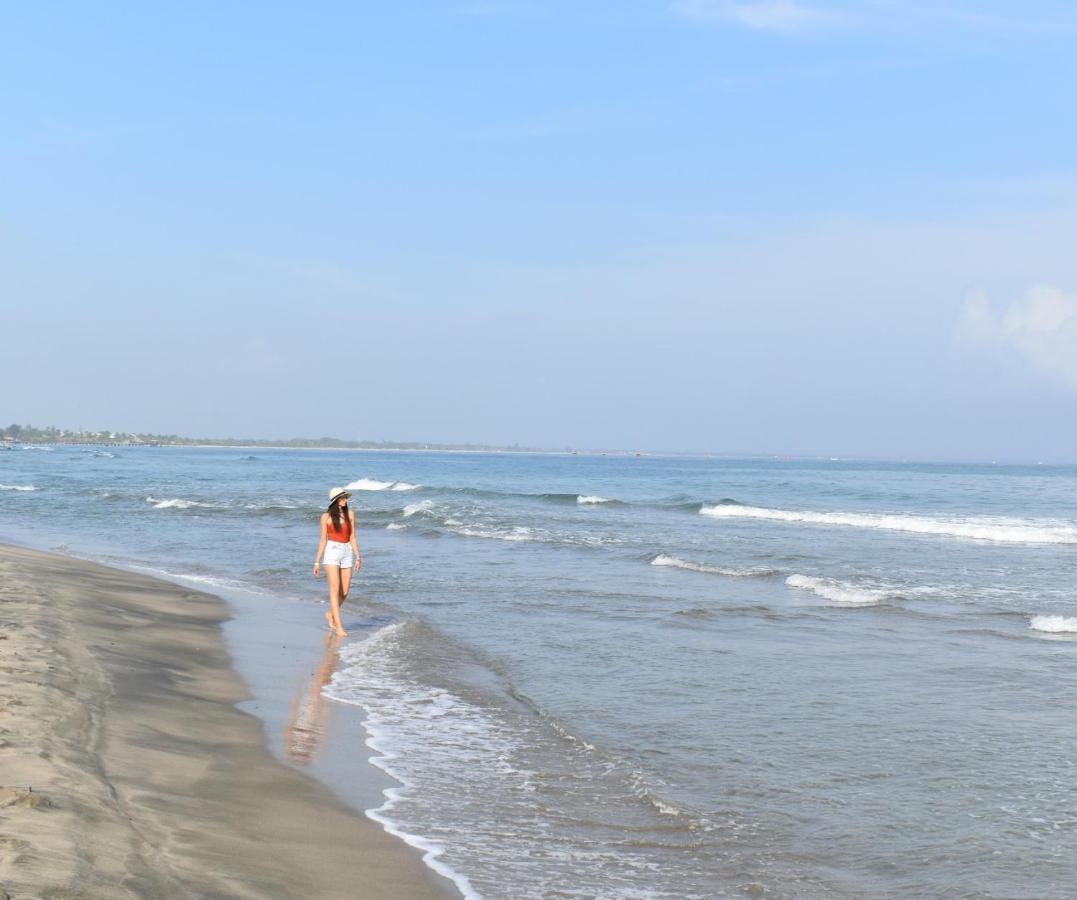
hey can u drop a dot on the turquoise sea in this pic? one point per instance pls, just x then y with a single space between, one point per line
649 676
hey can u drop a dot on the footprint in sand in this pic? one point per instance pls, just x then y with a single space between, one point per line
12 845
23 798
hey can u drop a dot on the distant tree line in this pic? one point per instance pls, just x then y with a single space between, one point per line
31 434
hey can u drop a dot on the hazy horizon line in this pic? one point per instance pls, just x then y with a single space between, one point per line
327 442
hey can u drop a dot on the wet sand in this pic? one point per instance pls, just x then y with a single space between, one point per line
126 769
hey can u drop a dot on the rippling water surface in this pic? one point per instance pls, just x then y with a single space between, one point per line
659 677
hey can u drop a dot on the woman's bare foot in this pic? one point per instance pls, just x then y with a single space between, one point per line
336 627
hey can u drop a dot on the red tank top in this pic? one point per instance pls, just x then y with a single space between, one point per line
343 534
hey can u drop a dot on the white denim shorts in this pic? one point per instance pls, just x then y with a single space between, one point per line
338 553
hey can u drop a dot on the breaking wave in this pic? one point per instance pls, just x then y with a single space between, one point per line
1012 531
546 496
675 562
177 503
1054 624
17 487
515 533
837 591
372 484
415 508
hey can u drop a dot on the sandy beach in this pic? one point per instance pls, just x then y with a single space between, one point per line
126 769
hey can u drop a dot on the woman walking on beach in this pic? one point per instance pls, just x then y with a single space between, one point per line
341 554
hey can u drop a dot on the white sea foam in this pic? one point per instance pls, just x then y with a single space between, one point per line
422 506
514 533
215 582
589 499
402 713
841 591
1054 624
523 534
17 487
476 780
641 787
372 484
395 526
675 562
177 503
369 484
1017 531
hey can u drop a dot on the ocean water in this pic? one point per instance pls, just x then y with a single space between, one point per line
657 677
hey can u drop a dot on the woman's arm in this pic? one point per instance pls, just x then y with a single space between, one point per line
321 544
355 544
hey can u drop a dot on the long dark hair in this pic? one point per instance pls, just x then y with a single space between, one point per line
335 511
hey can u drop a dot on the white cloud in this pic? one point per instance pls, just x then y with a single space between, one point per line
764 15
1041 327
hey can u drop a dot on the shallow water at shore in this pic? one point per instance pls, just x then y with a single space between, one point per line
656 677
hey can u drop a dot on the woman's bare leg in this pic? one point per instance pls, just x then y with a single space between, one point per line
345 582
332 575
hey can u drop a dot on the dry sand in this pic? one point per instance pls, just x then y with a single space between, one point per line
127 771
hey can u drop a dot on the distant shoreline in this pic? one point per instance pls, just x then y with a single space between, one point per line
378 448
131 440
300 444
416 447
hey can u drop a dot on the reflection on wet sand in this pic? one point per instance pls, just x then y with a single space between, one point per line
307 724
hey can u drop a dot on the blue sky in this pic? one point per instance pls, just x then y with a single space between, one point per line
804 227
